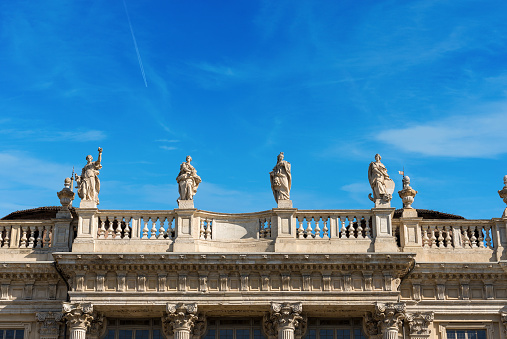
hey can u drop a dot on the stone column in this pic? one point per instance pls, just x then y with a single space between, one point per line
49 324
419 324
285 321
389 316
79 317
180 320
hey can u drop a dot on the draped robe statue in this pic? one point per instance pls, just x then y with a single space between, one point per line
381 185
188 180
281 179
88 183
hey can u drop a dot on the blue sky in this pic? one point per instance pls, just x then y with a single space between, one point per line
233 83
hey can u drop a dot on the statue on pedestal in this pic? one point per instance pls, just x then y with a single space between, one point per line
503 194
281 179
88 183
188 180
381 185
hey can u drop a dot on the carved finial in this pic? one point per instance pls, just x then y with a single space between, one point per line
503 194
66 197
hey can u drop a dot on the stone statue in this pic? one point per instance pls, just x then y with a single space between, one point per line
281 179
503 194
88 183
381 185
188 180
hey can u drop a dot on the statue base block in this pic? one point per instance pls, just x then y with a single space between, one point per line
185 204
409 213
87 204
380 203
285 204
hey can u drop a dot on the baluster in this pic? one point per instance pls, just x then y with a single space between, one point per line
343 231
128 229
359 227
301 230
317 228
31 239
489 242
440 237
161 229
201 229
2 228
481 237
7 236
153 230
119 222
167 232
325 230
47 236
466 239
367 229
473 238
433 237
448 238
425 239
173 229
102 229
110 229
261 228
39 237
145 228
350 228
308 231
23 238
209 224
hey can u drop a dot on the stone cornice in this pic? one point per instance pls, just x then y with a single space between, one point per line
28 271
492 271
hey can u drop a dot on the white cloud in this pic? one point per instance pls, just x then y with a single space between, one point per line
51 135
168 148
460 137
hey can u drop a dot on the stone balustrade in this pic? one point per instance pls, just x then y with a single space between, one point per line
26 234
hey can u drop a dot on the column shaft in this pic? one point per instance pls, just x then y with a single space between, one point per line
391 334
77 333
286 332
181 334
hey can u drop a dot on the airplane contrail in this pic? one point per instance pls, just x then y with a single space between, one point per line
135 45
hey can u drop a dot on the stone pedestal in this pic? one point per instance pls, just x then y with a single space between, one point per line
185 204
186 229
284 203
87 204
383 230
410 234
86 230
78 317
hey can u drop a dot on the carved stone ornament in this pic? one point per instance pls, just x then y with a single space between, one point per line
180 317
503 194
78 315
389 315
50 324
66 195
371 326
419 324
382 186
285 315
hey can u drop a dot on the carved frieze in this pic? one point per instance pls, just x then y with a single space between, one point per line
78 315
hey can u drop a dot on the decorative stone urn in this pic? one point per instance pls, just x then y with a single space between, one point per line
407 194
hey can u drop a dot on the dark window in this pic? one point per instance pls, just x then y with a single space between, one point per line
12 334
466 334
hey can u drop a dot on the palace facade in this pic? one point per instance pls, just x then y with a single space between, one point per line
285 273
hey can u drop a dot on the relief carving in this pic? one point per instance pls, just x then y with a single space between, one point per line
285 316
180 317
419 324
50 324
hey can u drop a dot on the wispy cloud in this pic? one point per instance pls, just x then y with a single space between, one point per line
52 135
461 137
168 148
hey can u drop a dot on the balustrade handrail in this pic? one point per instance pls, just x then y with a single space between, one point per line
449 222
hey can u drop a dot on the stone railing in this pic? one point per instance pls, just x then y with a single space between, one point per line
26 234
345 224
124 225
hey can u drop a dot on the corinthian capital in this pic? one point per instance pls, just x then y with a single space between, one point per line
419 323
78 315
389 315
285 315
180 317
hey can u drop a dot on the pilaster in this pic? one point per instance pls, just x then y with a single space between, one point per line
187 230
383 230
419 325
49 324
86 230
78 317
